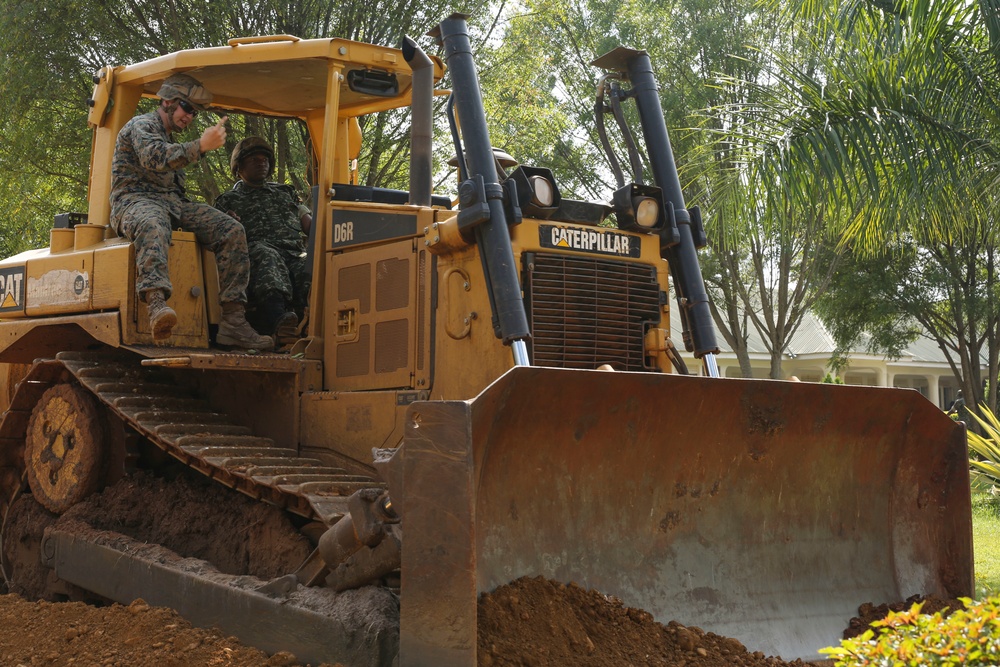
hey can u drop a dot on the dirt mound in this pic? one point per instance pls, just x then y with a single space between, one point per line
868 613
74 633
534 622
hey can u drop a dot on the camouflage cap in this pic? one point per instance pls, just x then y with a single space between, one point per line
248 147
185 87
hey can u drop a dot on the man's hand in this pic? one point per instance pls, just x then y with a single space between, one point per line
234 215
214 137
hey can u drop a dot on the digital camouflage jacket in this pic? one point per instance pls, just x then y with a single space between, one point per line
271 214
149 163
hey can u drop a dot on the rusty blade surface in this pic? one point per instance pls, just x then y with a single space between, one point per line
757 509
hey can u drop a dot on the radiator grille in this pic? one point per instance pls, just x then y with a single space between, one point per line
586 312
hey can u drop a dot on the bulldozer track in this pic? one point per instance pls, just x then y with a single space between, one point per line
187 427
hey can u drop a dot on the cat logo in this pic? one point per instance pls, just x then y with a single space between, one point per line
11 289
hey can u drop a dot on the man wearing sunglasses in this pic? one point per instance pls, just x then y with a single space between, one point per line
148 201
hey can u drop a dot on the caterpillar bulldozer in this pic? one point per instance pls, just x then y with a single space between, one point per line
481 392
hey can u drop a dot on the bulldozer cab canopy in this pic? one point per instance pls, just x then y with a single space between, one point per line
323 82
286 76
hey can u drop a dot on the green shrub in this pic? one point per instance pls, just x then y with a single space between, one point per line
969 636
985 450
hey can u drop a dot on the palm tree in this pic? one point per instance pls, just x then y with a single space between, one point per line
886 126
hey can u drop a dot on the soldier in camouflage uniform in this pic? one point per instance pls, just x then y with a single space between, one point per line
148 201
276 224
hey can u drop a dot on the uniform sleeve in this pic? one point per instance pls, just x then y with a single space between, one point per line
157 154
222 202
301 208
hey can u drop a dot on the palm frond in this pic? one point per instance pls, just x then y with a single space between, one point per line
891 115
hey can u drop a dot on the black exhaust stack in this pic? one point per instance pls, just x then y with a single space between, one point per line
481 197
421 111
680 251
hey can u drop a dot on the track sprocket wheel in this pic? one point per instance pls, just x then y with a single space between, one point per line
65 447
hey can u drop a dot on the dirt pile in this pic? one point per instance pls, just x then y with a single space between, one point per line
74 633
529 623
534 622
868 613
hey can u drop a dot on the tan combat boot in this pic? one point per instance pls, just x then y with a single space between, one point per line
162 318
235 331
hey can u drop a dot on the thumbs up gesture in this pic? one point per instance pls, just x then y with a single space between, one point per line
214 136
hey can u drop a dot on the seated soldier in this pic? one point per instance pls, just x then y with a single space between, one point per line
276 224
148 201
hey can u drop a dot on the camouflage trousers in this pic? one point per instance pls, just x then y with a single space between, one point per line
148 225
278 272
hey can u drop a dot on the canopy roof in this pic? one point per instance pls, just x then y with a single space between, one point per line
282 75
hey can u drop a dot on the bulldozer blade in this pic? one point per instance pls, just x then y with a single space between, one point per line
763 510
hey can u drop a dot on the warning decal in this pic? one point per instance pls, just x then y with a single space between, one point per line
59 288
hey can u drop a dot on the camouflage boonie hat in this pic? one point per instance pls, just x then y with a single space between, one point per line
248 147
185 87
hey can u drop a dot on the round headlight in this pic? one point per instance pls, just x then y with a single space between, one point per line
543 194
647 212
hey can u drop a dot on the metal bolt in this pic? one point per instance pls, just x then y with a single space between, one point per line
49 549
343 51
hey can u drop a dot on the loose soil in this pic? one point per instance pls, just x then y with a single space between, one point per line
868 613
75 633
532 622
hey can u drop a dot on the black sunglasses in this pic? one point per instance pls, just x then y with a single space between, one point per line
188 108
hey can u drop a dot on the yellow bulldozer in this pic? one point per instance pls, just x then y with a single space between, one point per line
485 389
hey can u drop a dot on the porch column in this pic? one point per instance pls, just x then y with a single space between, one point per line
934 390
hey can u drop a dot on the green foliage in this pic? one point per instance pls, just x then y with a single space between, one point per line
867 302
969 636
986 539
832 379
898 116
985 448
